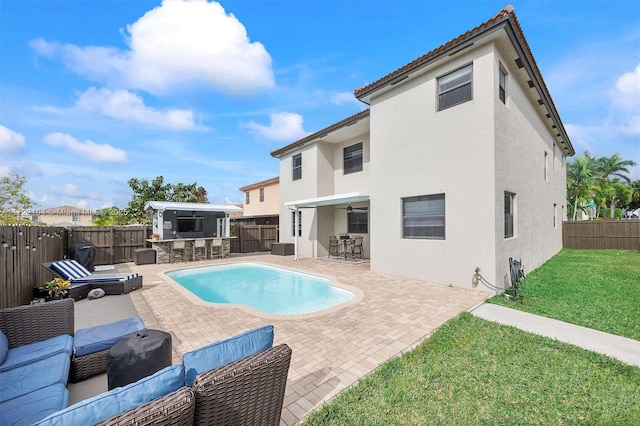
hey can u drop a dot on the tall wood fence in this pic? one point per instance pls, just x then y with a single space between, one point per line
22 251
114 244
253 238
613 235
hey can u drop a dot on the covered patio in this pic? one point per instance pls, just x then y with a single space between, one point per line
336 215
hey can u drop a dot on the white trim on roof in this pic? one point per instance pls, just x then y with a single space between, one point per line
197 207
329 200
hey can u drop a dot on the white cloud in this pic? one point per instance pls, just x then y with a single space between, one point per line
10 141
124 105
5 171
179 44
285 126
627 90
89 150
66 190
345 98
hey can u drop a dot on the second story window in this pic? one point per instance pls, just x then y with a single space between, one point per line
502 83
455 88
247 197
353 159
297 166
261 195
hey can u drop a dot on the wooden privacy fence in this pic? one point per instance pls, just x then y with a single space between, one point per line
611 235
253 238
22 251
114 244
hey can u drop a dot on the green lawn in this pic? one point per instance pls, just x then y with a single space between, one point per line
599 289
471 371
474 372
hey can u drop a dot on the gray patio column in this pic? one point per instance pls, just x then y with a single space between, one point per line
296 226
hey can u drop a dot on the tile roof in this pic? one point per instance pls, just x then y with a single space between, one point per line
319 133
261 184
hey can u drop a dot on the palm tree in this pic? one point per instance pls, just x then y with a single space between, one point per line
581 178
614 167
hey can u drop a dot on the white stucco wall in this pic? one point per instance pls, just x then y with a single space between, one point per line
417 150
521 142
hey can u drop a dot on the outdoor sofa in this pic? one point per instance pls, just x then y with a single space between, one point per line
83 281
237 381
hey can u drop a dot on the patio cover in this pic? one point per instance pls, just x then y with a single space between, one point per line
196 207
329 200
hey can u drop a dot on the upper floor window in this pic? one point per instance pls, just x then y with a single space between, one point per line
502 83
353 158
261 195
455 88
509 214
297 166
358 220
247 197
423 217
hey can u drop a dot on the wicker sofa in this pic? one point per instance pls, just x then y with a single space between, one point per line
247 391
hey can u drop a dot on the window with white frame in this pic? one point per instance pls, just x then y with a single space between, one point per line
261 195
353 159
509 214
502 85
455 88
358 220
424 217
297 166
293 223
247 197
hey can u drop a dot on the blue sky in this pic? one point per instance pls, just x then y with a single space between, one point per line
93 93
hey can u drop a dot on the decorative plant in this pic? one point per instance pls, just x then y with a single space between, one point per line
57 287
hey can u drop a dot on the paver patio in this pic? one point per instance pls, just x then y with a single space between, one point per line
331 350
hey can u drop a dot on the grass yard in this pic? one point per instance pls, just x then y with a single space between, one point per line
599 289
471 371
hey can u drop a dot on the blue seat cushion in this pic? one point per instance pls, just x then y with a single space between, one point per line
4 347
225 351
119 400
39 350
36 375
34 406
102 337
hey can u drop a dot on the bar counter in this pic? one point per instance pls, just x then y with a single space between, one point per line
167 253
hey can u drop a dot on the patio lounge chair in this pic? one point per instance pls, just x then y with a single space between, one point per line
83 281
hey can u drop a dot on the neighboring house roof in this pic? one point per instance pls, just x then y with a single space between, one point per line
197 207
505 19
260 184
321 133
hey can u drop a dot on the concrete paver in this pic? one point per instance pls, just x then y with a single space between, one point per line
331 350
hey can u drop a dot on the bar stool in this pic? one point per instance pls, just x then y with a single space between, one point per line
217 249
178 245
200 243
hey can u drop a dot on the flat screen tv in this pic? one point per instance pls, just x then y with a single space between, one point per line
190 224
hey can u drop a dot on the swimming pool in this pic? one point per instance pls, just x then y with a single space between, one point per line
268 289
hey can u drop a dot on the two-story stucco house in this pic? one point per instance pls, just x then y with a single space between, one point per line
458 163
261 203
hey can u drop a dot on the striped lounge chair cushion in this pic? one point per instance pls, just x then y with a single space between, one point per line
76 273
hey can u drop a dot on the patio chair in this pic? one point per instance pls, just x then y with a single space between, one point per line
356 247
334 246
83 281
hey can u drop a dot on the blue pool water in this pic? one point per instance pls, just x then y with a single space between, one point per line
268 289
